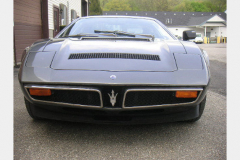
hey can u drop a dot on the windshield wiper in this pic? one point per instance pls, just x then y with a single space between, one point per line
125 33
81 35
116 33
88 35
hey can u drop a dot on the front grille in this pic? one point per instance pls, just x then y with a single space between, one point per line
126 96
114 55
153 98
79 97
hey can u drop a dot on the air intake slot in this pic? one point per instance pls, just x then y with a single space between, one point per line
114 55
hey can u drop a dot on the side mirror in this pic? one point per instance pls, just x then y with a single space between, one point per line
189 35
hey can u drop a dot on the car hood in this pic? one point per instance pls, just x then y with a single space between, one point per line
85 52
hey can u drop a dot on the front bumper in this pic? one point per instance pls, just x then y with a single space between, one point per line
116 117
118 114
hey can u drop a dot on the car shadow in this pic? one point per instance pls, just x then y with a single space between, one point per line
117 134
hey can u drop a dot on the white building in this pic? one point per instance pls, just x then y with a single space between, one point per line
63 12
209 24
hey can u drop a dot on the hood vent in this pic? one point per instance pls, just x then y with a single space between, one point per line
114 39
114 55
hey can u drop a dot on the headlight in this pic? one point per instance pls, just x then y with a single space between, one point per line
39 59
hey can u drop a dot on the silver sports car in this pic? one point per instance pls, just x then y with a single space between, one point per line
115 69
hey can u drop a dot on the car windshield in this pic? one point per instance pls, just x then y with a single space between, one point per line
199 35
119 26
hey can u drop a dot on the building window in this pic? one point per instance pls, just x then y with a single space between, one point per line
168 21
73 15
63 15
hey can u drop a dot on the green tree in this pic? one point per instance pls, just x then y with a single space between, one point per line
216 5
149 5
199 7
211 7
184 6
117 5
135 5
173 3
94 8
103 3
164 5
191 6
160 5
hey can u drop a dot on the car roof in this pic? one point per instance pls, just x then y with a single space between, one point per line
116 16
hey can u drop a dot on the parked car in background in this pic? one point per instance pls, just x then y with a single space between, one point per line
198 38
115 69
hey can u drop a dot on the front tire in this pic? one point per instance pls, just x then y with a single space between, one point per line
201 109
30 107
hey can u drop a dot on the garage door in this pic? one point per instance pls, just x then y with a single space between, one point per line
27 24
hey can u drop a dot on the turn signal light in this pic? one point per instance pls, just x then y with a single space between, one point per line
40 92
186 94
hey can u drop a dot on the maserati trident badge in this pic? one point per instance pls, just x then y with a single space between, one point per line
113 98
113 77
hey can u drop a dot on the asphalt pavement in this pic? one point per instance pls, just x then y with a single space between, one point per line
205 139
